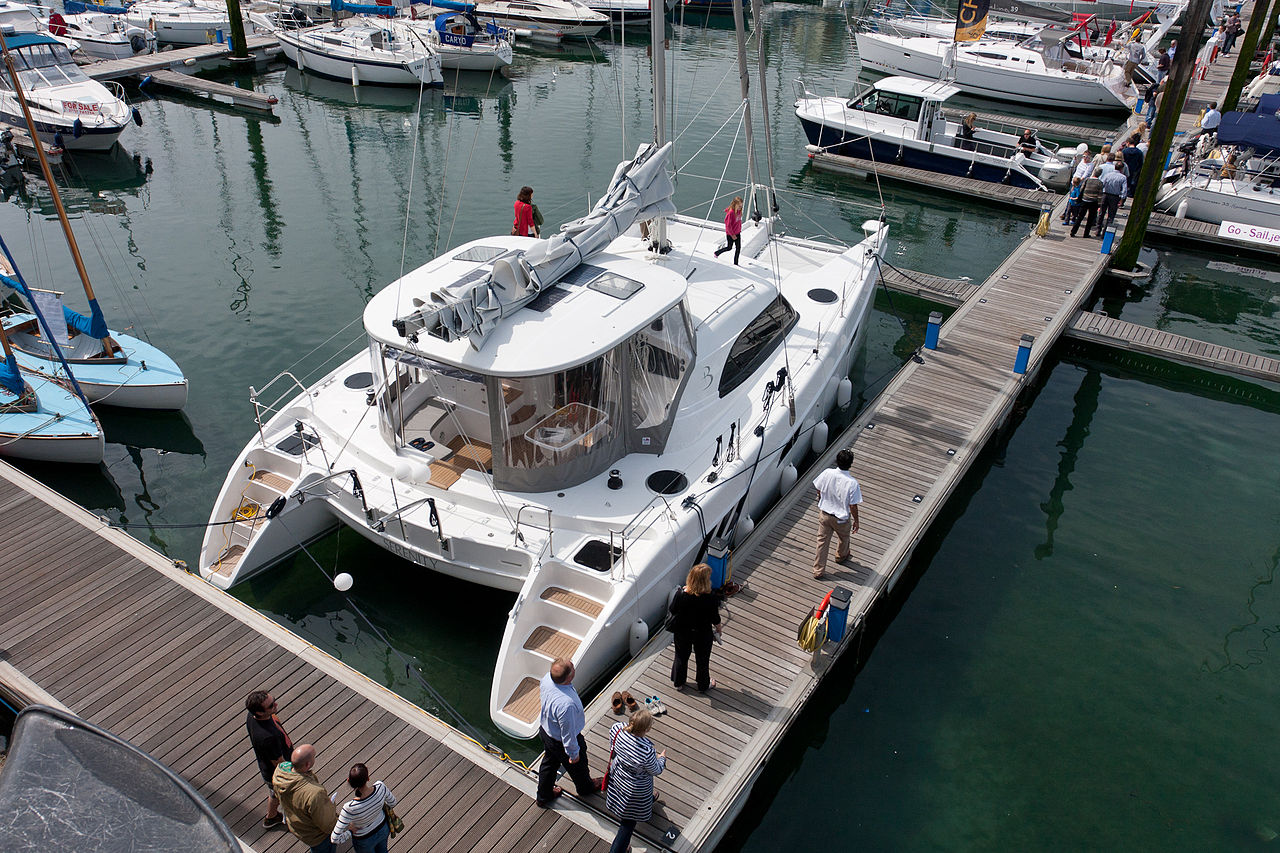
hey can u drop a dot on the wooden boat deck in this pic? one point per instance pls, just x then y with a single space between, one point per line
101 624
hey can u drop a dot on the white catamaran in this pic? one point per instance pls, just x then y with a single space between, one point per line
573 419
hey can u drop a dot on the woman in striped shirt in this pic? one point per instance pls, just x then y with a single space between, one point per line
362 819
635 763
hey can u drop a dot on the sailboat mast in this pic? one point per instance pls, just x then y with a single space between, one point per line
756 8
657 45
48 177
744 84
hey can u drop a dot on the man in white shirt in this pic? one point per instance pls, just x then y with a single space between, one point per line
838 499
1212 118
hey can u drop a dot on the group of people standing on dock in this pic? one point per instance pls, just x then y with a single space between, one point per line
298 800
1100 185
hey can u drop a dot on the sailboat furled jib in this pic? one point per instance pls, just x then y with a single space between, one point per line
640 190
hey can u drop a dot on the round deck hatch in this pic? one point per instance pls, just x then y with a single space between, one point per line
359 380
823 296
667 482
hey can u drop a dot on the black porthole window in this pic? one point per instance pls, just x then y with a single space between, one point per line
667 482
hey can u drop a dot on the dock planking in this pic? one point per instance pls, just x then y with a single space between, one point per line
146 63
104 626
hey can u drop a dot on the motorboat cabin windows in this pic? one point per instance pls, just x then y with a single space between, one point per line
896 104
758 341
44 65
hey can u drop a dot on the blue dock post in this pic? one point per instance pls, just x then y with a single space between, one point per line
931 331
1024 354
838 614
1108 238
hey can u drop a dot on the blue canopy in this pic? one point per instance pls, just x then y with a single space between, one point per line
1268 104
1259 131
10 378
453 5
18 40
362 8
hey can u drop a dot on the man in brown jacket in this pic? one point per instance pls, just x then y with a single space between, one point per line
309 812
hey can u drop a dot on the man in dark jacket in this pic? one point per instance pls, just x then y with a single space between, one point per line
1133 158
1090 198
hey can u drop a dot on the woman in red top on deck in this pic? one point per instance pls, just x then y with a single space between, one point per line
523 225
732 229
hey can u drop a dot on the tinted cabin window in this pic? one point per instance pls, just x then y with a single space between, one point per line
890 104
756 343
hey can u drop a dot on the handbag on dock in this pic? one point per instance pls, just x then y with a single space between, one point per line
393 821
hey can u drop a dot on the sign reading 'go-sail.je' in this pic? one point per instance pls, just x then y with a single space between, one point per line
971 20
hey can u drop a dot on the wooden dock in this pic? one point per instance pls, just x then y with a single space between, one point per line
912 446
168 60
1101 329
99 623
220 92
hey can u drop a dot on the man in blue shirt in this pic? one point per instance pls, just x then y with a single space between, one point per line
560 727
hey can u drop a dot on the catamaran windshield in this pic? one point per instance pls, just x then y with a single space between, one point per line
541 432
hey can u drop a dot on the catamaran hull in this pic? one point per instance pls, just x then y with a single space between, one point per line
947 161
1015 85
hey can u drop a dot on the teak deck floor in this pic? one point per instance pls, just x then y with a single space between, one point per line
165 661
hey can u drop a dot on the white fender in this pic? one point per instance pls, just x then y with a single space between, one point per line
844 392
746 524
788 479
1181 212
355 74
819 440
639 636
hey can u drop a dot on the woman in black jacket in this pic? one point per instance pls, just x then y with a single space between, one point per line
695 621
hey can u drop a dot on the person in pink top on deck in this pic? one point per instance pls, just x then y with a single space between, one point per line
732 229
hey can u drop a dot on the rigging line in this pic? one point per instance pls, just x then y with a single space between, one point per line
705 105
359 421
888 295
739 111
323 343
466 171
434 694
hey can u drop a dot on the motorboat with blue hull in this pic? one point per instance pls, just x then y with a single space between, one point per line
900 120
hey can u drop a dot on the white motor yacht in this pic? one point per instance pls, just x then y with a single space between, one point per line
900 120
626 10
1231 178
70 109
1038 70
179 22
102 35
572 419
365 50
544 18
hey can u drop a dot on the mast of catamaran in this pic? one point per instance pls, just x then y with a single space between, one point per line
756 12
744 85
109 347
658 35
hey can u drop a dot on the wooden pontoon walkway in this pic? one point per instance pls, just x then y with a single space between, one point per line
99 623
1101 329
145 63
912 446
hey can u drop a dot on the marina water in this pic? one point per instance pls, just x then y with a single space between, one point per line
1081 659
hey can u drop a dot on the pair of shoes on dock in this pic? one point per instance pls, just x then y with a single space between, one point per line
654 705
624 700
